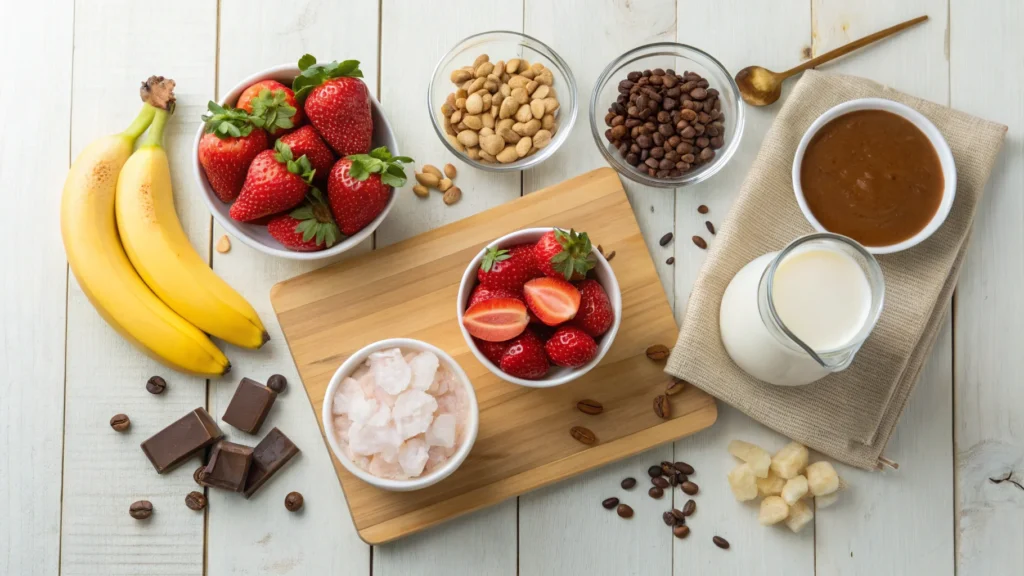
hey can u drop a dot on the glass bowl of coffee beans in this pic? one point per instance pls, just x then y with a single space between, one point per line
666 115
502 101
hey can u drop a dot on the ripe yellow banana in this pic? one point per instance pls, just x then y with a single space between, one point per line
162 255
103 271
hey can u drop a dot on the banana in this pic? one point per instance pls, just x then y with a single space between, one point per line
103 271
162 255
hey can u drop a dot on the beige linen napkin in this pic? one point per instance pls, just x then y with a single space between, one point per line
848 415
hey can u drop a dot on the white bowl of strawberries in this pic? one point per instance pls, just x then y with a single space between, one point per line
539 307
299 161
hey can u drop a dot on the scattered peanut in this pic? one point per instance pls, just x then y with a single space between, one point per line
431 169
449 169
444 185
224 244
420 190
452 195
427 179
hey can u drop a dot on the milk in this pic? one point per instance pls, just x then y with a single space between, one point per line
820 293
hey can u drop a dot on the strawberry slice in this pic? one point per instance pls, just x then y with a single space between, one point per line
553 300
482 293
496 320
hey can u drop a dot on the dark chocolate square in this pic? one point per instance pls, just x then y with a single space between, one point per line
269 456
228 467
181 440
249 406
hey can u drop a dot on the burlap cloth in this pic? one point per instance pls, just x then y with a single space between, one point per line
849 415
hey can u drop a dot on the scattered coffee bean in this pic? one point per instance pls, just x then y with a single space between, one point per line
610 256
610 503
156 385
660 482
710 227
582 435
667 469
690 488
195 500
681 531
658 352
120 422
654 471
679 515
592 407
200 474
662 407
668 518
277 383
600 249
700 243
690 507
665 239
675 387
673 480
680 478
624 511
683 467
293 501
721 542
141 510
702 209
671 260
655 492
628 483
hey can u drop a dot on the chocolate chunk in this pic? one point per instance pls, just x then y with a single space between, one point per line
277 383
181 440
269 456
229 466
249 406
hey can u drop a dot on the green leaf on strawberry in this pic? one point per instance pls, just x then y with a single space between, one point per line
492 257
227 122
300 166
314 74
379 161
574 257
271 111
315 220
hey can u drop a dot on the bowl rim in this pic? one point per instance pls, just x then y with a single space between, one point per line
938 142
564 125
468 282
722 157
209 197
349 366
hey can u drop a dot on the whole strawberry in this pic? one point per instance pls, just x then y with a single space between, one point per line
308 228
595 315
564 254
306 142
359 187
570 347
276 182
482 293
227 149
274 104
337 103
507 268
493 351
525 357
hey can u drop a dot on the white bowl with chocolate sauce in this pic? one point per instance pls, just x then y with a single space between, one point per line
876 171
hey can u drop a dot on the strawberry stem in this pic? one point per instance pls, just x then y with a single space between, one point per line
141 122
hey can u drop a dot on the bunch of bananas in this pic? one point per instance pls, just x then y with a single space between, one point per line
126 248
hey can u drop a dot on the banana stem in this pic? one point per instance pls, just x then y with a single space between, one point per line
141 122
155 136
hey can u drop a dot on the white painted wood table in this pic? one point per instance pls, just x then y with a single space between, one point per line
66 480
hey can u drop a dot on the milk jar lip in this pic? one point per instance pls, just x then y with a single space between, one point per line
869 324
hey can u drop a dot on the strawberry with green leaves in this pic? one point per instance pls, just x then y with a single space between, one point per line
273 105
228 147
562 254
337 103
359 187
276 181
308 228
306 142
507 268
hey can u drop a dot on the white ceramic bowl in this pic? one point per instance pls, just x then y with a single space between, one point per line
922 124
472 425
556 375
256 236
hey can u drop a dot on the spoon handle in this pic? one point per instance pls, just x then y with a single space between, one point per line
846 49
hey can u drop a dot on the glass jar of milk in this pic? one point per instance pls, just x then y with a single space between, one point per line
792 317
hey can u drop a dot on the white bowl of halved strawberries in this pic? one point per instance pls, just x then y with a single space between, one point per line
539 307
299 161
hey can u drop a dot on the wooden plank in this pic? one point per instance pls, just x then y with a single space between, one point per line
104 472
32 304
983 47
408 57
408 290
259 536
773 35
602 542
913 505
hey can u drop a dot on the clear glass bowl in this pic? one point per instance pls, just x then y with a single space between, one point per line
504 45
679 57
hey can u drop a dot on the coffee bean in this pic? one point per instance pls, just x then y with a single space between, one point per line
293 501
200 474
654 471
681 531
624 511
680 477
628 483
592 407
671 260
582 435
658 352
690 488
665 239
702 209
683 467
141 510
666 468
675 387
660 482
195 500
156 385
668 518
662 407
690 507
700 243
673 480
610 256
655 492
710 226
721 542
120 422
679 515
610 503
277 383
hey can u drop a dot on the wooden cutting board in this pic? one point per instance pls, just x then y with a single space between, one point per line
409 290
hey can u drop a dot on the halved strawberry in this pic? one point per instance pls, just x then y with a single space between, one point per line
507 268
496 320
553 300
570 347
482 293
525 358
493 351
595 316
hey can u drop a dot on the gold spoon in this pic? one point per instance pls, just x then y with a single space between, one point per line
760 86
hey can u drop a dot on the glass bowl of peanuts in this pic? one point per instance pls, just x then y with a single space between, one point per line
502 101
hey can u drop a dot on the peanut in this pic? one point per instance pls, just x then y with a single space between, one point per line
524 114
459 76
449 170
468 138
473 122
537 107
542 138
480 60
523 146
492 144
507 134
427 179
507 155
452 195
512 65
444 184
431 169
420 190
475 104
